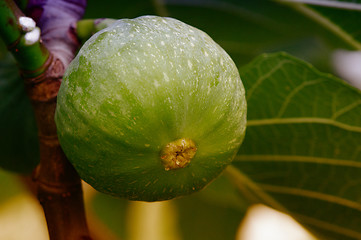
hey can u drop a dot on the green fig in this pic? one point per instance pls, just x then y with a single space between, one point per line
151 109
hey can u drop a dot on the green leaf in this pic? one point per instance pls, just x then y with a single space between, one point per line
302 151
119 8
242 28
339 17
246 29
19 148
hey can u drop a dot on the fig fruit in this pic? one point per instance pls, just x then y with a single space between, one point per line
151 109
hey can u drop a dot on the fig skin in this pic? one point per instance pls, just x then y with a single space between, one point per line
139 85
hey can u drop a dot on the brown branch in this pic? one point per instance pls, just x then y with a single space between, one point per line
58 185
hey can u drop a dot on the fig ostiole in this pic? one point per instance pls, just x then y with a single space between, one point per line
151 109
178 154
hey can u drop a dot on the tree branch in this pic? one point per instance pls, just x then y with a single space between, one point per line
22 39
58 185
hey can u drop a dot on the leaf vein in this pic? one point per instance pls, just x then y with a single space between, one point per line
264 77
346 109
334 4
311 194
316 16
300 120
327 226
295 158
254 192
296 90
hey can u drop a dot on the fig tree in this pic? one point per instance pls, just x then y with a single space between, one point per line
151 109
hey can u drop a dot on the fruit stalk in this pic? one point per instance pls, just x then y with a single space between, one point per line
58 185
85 28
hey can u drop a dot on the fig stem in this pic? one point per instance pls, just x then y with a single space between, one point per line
85 28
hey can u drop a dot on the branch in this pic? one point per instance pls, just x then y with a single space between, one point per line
58 185
22 39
